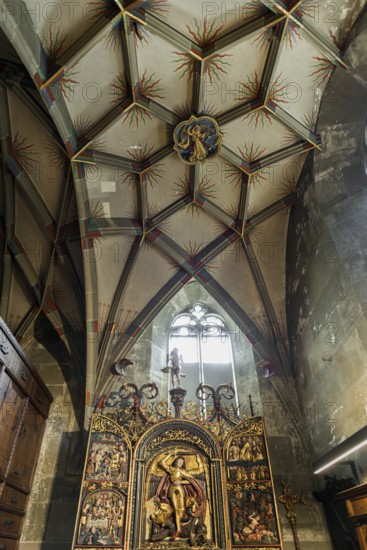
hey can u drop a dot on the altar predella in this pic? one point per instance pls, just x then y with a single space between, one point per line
198 479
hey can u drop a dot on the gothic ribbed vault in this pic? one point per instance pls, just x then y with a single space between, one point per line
87 156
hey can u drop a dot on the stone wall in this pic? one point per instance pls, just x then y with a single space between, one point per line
51 511
327 261
291 461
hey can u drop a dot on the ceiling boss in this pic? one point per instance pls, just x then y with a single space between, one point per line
197 139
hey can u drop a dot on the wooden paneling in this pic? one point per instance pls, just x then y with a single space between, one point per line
24 406
41 401
12 404
27 444
23 377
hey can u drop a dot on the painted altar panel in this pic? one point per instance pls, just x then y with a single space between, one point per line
107 458
102 516
250 491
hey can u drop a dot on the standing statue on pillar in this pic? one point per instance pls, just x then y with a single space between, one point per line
175 363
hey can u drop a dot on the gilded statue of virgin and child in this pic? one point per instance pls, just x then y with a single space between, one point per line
179 498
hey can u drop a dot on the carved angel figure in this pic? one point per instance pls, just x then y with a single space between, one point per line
180 499
195 140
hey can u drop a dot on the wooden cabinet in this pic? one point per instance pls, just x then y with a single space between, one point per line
13 499
8 544
10 523
356 503
12 404
24 406
22 465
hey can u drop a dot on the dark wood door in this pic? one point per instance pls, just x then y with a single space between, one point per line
26 449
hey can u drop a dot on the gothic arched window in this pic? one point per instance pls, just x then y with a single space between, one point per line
203 340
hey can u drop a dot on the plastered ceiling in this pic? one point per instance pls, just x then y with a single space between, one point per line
91 140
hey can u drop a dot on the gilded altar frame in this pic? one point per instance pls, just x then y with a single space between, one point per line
153 482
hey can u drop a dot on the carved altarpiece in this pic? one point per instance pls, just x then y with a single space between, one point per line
154 482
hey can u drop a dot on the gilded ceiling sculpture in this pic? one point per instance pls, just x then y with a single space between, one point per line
197 139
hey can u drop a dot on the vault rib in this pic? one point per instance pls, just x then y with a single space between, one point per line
142 198
175 37
185 272
26 322
294 6
39 208
101 126
128 338
100 157
217 212
14 245
6 283
239 111
171 209
16 26
275 42
297 127
244 201
36 109
57 317
117 226
268 212
109 328
235 159
295 149
275 6
9 212
213 249
232 37
197 103
157 156
161 112
130 57
85 42
91 282
323 44
240 317
258 102
267 303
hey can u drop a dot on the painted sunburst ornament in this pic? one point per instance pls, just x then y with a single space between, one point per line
197 139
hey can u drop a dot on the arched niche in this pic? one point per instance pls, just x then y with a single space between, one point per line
178 475
149 354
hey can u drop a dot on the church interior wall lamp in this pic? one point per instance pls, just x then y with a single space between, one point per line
341 451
